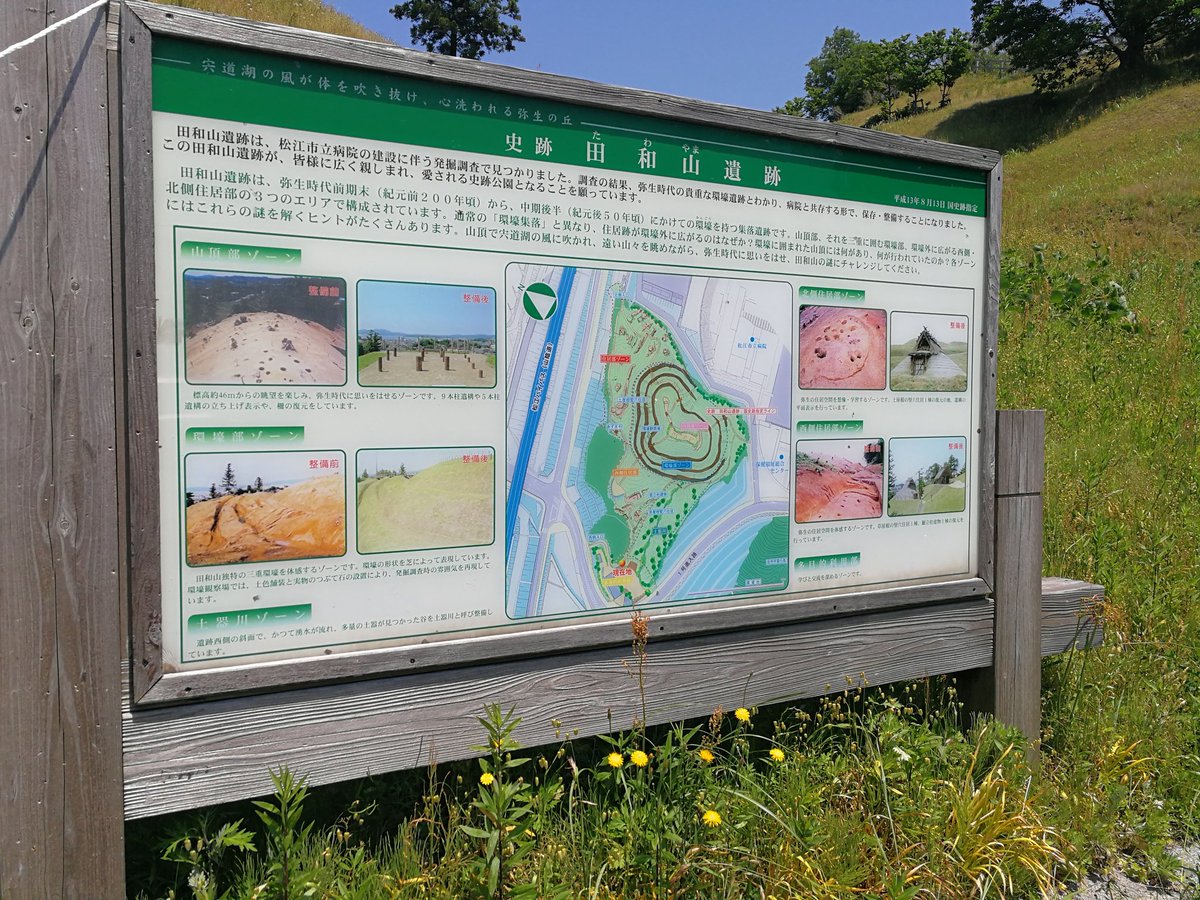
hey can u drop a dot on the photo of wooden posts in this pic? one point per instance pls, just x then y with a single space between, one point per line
260 507
426 335
926 475
839 479
250 328
425 498
929 352
843 348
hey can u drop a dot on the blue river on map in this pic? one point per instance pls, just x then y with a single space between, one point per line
719 570
713 504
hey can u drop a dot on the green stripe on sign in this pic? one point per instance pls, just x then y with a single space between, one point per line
827 294
194 251
243 619
227 437
236 85
832 561
830 426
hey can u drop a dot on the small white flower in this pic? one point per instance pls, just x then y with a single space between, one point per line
900 754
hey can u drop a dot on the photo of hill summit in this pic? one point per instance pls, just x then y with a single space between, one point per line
248 328
426 499
839 480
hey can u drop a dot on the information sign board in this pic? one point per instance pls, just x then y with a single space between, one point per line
439 362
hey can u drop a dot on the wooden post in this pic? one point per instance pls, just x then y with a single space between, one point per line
61 816
1011 689
1020 479
446 363
379 362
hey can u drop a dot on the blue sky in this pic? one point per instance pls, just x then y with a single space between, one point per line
205 469
910 455
752 54
433 310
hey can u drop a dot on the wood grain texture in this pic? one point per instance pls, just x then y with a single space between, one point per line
1017 667
1070 615
385 57
31 839
989 341
84 509
60 817
185 756
138 343
1020 452
419 656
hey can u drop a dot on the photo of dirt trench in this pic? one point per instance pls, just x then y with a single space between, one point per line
843 348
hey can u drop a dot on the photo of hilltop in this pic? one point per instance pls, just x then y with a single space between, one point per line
839 480
426 335
928 352
926 475
843 348
425 499
244 328
260 507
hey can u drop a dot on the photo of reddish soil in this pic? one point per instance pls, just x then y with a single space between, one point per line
831 486
305 520
843 348
266 348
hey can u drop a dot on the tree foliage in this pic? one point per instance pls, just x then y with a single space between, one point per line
851 74
1062 41
467 28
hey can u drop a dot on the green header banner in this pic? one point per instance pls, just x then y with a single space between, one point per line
235 85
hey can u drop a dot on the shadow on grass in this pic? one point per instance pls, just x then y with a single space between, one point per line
1028 120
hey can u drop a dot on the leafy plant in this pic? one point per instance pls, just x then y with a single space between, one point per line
287 834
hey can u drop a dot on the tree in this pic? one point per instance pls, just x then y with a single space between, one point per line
374 342
952 58
915 72
213 493
836 82
467 28
258 483
1063 40
188 498
884 64
228 480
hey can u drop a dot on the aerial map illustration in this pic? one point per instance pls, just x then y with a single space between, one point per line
648 441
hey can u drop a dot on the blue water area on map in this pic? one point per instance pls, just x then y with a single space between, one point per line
540 391
717 501
719 569
533 508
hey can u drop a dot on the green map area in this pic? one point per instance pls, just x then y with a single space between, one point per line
666 443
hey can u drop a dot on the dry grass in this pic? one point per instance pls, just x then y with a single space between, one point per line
311 14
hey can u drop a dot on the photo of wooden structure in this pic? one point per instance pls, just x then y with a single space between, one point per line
918 357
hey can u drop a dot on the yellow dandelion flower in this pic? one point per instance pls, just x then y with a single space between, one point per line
711 818
742 714
639 759
486 778
706 755
616 760
776 754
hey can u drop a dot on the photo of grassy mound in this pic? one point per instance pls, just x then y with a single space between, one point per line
426 335
839 480
287 509
926 476
425 499
843 348
264 329
928 352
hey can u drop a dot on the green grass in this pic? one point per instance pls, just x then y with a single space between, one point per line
314 15
368 359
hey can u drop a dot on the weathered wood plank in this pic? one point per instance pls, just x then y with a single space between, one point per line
988 346
1017 669
1070 615
185 756
418 657
1020 453
368 54
84 475
138 351
31 839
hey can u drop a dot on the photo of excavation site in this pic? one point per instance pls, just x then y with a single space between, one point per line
839 480
262 507
426 335
927 475
426 499
843 348
928 352
244 328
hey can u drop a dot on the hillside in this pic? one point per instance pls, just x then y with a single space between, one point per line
311 14
449 504
1102 207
